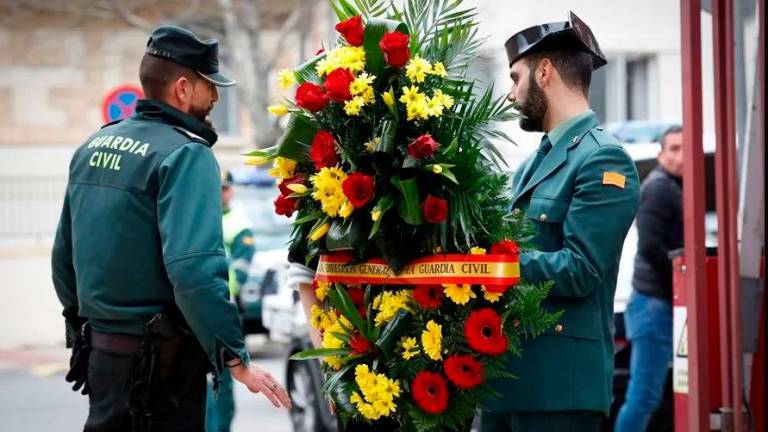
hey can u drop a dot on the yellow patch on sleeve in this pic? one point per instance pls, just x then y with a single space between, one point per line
248 240
614 179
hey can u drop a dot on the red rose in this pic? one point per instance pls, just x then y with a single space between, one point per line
483 332
434 209
464 371
395 48
352 30
311 96
337 84
358 188
428 296
285 206
505 247
422 147
283 186
430 392
323 151
359 344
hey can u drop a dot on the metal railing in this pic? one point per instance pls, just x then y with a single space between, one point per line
30 206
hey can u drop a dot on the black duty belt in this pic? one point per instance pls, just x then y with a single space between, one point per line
116 343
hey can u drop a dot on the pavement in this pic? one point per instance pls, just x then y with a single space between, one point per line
35 397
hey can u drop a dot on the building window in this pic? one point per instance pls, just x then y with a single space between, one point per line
637 93
624 89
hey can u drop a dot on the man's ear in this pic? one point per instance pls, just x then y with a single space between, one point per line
544 72
182 90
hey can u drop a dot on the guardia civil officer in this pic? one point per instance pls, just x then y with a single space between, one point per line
580 190
138 258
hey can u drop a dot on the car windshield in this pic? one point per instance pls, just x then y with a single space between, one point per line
270 231
637 132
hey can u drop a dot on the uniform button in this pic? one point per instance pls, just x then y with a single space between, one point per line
543 217
559 328
575 139
516 212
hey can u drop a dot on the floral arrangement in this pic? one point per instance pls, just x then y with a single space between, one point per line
389 166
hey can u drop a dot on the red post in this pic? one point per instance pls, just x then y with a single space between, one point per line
729 294
693 212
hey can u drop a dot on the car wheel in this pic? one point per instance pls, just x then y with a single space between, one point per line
305 411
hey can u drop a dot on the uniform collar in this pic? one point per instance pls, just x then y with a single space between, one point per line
158 110
564 136
575 125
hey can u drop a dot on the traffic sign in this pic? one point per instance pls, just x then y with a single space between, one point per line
120 103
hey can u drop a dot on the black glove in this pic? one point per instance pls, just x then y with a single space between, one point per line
78 362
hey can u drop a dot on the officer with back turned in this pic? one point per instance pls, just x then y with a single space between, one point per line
138 258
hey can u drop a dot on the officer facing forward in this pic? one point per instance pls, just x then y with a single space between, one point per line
138 259
580 189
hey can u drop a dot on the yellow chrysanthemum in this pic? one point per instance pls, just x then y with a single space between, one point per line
370 146
390 303
353 106
378 393
330 340
327 189
328 319
362 83
322 290
369 96
282 168
477 250
410 347
432 340
417 110
412 94
438 69
417 69
445 100
492 297
316 321
459 293
348 57
286 78
434 107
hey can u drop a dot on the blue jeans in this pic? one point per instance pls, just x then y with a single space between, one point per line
648 322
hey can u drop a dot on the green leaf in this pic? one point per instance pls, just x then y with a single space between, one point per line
340 300
385 203
309 218
343 235
297 138
319 353
387 142
450 151
375 29
266 153
392 332
408 204
306 71
449 175
343 9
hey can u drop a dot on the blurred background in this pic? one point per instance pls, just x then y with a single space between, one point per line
67 67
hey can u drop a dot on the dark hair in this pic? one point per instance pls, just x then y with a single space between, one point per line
668 131
574 67
156 74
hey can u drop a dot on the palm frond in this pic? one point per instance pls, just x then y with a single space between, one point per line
422 16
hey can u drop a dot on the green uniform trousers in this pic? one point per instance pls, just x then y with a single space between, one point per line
541 421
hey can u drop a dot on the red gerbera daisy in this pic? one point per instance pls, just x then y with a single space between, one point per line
428 296
483 332
430 392
464 371
359 344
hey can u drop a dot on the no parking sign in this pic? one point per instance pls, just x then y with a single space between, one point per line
120 103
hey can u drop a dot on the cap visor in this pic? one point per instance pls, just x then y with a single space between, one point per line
219 79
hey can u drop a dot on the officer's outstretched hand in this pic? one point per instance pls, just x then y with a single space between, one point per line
258 380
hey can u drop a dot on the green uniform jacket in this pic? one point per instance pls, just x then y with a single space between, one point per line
582 199
140 231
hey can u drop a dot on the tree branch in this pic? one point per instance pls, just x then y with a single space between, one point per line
288 25
129 17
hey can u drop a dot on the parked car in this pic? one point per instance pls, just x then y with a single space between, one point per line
254 193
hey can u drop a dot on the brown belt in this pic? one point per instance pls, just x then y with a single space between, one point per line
115 343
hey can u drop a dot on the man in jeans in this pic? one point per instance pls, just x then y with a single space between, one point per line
648 316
